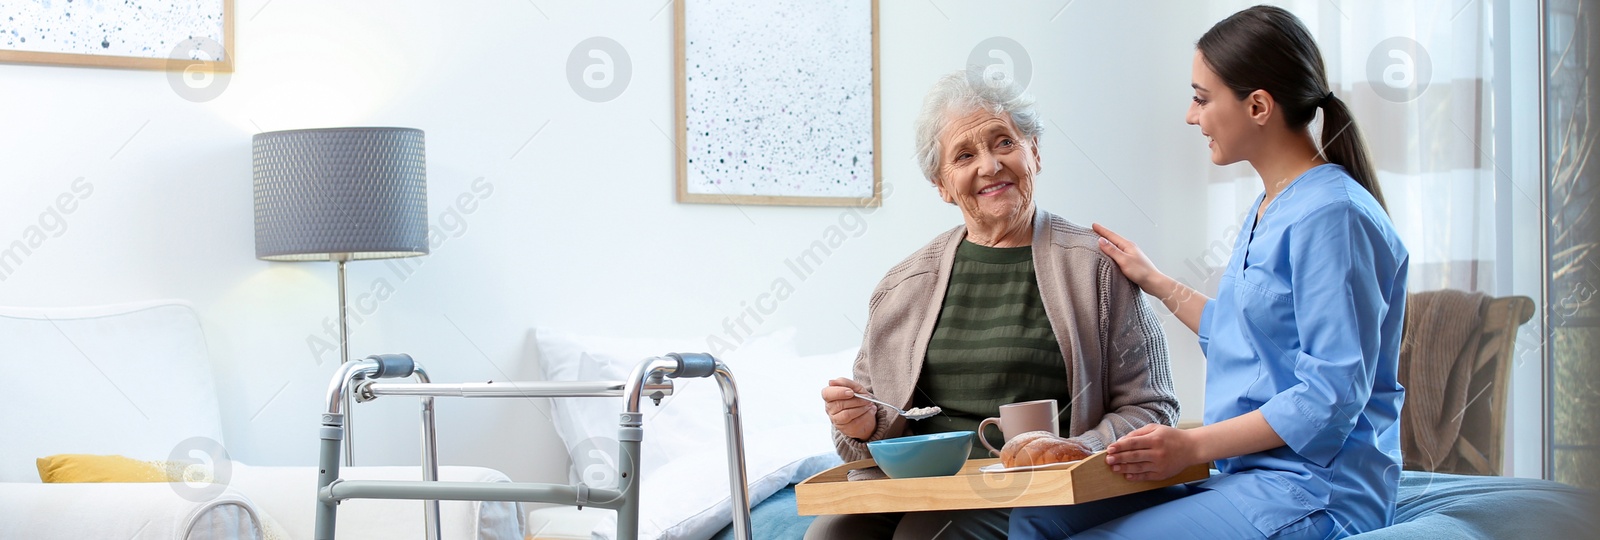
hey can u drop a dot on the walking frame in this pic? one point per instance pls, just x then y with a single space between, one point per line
651 378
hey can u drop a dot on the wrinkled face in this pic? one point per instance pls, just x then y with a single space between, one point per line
1223 118
986 168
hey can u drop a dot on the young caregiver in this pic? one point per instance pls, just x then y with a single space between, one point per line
1303 338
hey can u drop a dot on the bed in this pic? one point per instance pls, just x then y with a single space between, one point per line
774 377
1431 505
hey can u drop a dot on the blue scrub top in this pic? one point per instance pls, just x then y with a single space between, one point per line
1306 329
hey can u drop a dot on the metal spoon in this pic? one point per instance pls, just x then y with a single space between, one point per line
916 413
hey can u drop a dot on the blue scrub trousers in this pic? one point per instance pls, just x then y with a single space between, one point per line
1171 513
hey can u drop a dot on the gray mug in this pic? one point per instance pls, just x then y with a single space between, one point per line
1018 418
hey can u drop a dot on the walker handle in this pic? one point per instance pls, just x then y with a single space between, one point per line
693 365
393 366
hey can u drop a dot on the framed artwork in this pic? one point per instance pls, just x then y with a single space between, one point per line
174 35
778 102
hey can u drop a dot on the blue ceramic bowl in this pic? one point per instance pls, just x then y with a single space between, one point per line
916 456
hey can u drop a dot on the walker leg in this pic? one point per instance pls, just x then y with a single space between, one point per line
327 471
628 438
430 459
737 478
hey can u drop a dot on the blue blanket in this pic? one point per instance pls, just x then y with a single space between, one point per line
776 518
1431 506
1434 505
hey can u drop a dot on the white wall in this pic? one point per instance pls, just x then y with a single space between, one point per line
580 230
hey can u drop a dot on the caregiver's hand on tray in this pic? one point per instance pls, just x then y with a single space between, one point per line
1153 452
852 416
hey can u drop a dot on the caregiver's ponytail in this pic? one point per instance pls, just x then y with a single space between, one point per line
1342 144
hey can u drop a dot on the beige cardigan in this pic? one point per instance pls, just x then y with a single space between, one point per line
1115 352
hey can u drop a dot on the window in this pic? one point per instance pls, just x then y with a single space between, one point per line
1572 196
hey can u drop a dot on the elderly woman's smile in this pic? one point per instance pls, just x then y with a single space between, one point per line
994 189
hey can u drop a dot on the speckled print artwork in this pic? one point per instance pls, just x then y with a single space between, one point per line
138 28
779 97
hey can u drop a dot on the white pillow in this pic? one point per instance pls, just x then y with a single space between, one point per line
787 439
684 465
588 426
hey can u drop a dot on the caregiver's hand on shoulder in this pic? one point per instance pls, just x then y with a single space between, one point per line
1186 303
1153 452
852 416
1128 257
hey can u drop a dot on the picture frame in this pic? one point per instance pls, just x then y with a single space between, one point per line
183 35
768 127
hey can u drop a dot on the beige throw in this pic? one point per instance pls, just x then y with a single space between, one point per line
1437 358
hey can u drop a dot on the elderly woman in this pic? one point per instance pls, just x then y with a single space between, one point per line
1013 305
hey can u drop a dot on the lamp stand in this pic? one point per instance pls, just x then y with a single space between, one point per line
344 357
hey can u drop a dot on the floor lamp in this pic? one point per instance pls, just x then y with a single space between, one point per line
340 194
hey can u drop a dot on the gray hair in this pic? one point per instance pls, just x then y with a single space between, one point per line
968 90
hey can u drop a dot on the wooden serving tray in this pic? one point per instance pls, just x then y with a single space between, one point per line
829 492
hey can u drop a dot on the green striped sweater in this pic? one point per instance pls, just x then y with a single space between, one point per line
992 344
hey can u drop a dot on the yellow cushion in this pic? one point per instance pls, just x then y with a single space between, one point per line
78 468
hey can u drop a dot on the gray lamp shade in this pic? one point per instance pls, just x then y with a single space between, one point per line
356 193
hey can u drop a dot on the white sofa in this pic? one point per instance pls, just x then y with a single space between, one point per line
136 380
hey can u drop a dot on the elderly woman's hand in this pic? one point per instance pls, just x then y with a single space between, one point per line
852 416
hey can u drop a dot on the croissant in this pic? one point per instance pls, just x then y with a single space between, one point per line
1040 448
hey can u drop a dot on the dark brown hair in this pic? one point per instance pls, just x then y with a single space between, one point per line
1267 48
